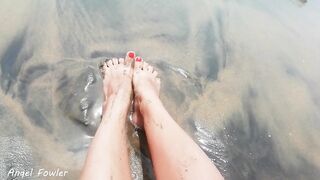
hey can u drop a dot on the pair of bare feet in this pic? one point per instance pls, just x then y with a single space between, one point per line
174 154
124 76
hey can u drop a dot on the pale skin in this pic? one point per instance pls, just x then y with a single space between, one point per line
174 154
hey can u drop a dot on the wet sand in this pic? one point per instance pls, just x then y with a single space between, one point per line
241 77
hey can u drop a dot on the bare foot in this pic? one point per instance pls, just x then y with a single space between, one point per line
117 77
146 87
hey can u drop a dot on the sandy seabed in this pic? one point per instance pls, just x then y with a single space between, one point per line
241 77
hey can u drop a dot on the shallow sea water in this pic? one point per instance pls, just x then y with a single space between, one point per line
241 77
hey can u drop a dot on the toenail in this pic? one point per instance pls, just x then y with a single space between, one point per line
131 54
138 59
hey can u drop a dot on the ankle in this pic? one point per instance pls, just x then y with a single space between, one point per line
148 102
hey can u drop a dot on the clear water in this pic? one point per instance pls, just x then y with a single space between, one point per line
241 77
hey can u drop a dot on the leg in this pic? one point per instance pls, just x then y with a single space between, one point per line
174 154
108 153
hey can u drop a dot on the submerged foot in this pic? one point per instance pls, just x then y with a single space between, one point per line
146 87
117 77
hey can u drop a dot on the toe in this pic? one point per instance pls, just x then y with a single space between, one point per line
104 67
150 69
121 61
138 63
158 80
109 63
130 57
101 64
145 66
115 61
155 74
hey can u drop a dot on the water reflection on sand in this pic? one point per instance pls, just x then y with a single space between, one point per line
241 77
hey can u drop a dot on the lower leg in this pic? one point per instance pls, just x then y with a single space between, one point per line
108 153
174 154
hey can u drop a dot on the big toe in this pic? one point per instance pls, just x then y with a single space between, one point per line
138 63
129 57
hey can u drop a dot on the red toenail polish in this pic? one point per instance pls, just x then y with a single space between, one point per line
131 54
138 59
